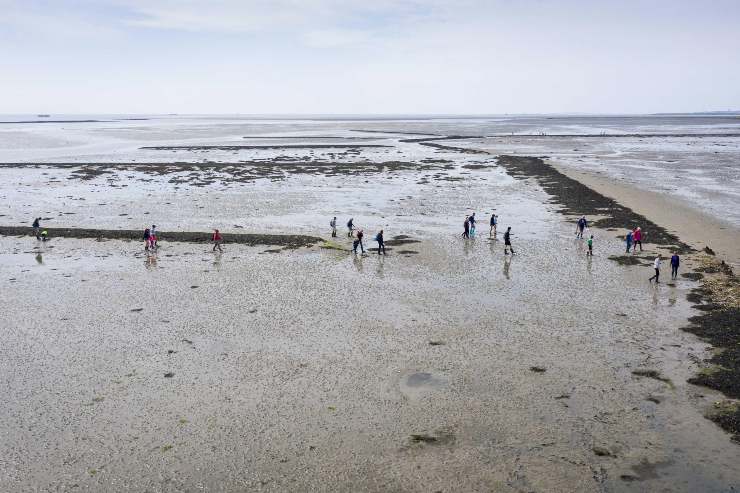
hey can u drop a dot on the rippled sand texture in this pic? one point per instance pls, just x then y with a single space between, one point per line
445 366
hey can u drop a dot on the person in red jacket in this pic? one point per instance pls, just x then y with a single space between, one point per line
637 239
217 239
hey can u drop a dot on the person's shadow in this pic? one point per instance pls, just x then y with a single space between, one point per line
381 267
507 266
151 261
357 261
39 259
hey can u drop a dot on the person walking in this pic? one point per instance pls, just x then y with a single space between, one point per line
507 242
637 239
494 222
153 237
147 237
358 241
471 220
629 240
381 242
333 224
466 226
580 226
656 266
350 227
217 239
37 228
675 262
590 243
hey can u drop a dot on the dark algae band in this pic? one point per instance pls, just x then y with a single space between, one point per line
286 241
579 200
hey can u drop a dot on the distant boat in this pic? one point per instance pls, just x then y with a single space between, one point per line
43 116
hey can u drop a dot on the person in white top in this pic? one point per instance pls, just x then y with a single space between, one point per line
656 266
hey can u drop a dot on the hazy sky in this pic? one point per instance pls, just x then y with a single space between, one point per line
368 56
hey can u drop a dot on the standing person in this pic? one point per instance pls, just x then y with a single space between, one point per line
472 224
466 226
675 262
358 241
656 266
333 224
381 242
217 239
350 227
153 237
147 237
37 228
637 239
590 244
494 222
507 242
629 240
582 224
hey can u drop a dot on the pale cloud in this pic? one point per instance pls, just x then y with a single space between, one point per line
382 56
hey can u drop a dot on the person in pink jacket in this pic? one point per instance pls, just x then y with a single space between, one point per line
637 239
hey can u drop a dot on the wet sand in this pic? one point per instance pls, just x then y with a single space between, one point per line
445 366
686 222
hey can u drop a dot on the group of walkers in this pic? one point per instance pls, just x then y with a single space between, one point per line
150 238
469 230
359 237
633 239
675 263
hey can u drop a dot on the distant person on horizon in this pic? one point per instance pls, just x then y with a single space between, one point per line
507 242
217 239
629 240
494 222
580 226
333 224
37 227
675 262
656 266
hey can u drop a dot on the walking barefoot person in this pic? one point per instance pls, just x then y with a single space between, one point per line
637 239
381 242
147 237
494 222
656 266
358 241
471 220
507 242
217 239
466 226
590 244
333 224
675 262
629 240
582 224
37 228
350 228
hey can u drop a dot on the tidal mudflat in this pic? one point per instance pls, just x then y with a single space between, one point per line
443 366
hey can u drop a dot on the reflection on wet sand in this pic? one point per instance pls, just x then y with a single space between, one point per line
507 265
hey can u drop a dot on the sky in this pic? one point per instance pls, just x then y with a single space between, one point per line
369 56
